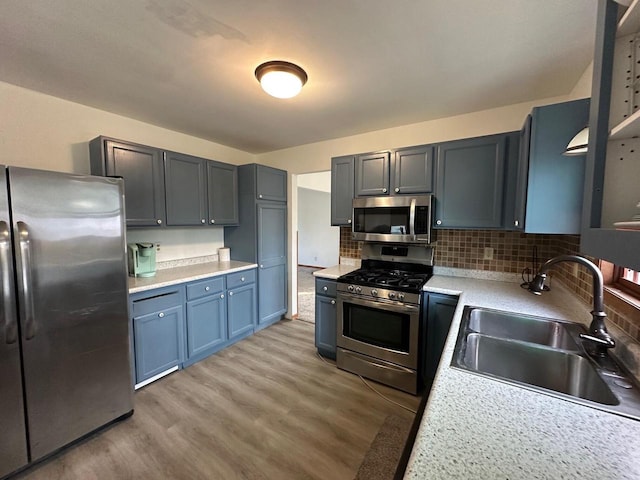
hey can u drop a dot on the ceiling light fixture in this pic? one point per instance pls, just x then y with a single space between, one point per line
281 79
578 144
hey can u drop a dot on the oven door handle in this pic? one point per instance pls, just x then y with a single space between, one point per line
412 217
381 304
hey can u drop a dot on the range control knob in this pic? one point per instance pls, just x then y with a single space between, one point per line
392 295
351 288
401 296
374 292
358 290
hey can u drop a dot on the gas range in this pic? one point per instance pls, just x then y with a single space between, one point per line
400 279
379 314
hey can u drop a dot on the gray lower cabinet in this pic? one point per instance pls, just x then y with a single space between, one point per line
206 316
241 303
439 315
547 180
342 185
158 331
142 169
220 310
326 317
470 188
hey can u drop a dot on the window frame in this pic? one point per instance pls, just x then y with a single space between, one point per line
623 284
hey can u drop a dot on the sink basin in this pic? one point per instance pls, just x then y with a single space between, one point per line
525 328
555 370
545 355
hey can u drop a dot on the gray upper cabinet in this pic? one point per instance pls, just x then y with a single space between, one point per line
141 168
471 181
342 190
186 189
271 183
372 174
174 189
222 193
413 170
612 168
550 185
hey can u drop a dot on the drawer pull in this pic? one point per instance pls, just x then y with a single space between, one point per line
206 289
161 314
325 289
230 294
333 302
242 279
159 222
222 295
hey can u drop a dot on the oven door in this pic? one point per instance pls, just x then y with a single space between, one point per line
381 329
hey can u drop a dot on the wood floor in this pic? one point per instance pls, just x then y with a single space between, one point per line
266 408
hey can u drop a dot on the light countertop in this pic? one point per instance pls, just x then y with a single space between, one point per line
172 276
335 271
477 427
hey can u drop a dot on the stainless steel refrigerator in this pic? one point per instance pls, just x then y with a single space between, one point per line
64 330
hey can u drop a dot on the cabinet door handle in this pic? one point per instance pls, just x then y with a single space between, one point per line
261 266
203 221
242 279
333 302
161 314
206 289
230 294
397 190
222 295
384 190
159 222
324 289
516 223
439 222
213 221
259 196
349 221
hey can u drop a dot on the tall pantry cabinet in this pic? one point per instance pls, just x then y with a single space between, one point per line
261 236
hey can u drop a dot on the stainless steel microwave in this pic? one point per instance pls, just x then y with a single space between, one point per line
397 219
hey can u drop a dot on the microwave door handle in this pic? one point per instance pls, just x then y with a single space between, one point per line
412 217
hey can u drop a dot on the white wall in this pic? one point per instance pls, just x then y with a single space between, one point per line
318 241
41 131
315 181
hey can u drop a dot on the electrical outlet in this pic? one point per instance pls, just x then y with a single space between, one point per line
488 253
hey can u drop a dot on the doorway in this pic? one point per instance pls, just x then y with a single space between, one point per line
318 241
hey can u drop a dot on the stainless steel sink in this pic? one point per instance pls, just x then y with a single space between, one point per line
545 355
555 370
553 333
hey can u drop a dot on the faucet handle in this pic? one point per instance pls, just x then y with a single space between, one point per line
601 342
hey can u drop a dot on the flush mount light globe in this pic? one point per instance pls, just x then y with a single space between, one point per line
281 79
578 144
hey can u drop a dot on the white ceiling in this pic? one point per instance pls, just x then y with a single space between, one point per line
188 65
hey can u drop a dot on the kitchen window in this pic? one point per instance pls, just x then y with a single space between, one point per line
627 280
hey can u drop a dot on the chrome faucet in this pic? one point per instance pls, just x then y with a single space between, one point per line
598 335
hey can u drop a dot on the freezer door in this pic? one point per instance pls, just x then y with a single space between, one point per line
13 439
72 293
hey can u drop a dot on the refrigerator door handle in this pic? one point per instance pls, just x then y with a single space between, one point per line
25 280
10 320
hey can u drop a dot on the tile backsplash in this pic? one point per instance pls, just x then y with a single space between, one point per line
513 252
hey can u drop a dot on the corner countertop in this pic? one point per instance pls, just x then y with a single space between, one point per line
172 276
335 271
477 427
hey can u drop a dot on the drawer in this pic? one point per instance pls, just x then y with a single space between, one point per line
326 287
157 300
205 287
241 278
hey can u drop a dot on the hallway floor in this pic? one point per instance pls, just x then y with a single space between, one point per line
306 294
